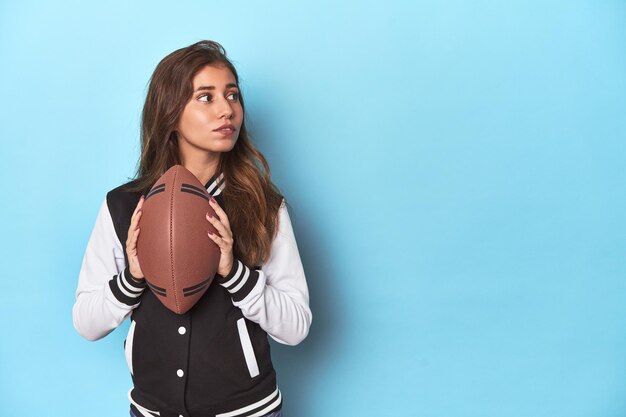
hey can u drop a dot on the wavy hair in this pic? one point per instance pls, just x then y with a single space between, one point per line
251 200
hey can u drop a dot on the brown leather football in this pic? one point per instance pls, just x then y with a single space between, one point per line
177 258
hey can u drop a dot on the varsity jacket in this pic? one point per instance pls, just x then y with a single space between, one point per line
213 360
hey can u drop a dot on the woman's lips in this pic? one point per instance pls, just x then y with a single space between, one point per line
226 131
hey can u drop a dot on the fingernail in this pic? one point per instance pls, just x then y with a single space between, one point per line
212 199
209 215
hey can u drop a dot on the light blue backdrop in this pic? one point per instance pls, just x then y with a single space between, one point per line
456 171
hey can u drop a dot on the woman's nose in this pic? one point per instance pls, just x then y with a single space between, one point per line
225 109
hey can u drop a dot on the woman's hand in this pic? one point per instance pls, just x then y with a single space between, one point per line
131 242
224 240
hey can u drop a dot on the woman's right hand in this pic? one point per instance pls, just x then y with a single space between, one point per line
131 242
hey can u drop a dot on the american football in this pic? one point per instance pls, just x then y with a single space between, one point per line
177 258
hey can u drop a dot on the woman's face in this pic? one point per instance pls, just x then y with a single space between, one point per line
213 104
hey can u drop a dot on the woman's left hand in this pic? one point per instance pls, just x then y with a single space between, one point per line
224 240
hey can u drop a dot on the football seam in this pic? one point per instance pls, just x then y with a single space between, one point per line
172 240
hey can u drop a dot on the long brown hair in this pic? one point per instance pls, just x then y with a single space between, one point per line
251 200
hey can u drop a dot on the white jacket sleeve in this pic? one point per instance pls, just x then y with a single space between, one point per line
275 296
106 292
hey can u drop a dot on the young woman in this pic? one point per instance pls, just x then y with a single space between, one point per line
215 359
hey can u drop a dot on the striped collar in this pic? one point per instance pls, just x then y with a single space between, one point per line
216 184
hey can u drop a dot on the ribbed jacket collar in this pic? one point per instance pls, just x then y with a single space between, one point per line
216 184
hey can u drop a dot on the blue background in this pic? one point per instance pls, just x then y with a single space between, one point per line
456 172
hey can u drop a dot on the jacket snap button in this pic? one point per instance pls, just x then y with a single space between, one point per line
180 373
182 330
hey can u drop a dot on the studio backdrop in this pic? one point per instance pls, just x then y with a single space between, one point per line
456 176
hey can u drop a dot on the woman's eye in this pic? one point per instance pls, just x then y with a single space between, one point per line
208 96
234 95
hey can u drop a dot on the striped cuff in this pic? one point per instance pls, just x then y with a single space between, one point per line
126 288
239 281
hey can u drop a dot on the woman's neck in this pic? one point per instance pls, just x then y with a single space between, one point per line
202 171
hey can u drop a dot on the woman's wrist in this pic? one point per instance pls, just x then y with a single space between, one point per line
129 274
